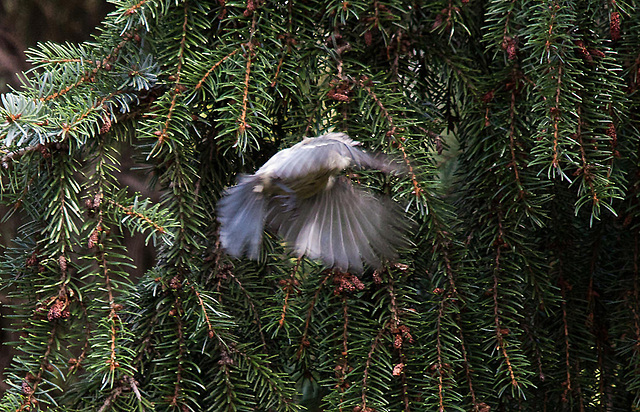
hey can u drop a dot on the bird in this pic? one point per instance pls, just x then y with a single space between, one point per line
302 195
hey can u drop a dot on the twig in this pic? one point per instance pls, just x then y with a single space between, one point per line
305 341
129 211
288 289
105 63
416 186
177 89
215 66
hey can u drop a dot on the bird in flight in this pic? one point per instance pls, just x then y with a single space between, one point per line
300 194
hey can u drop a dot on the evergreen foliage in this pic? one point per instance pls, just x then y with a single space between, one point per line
518 123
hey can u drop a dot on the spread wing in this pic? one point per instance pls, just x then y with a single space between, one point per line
241 213
343 227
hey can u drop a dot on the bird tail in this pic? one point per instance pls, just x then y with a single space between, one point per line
343 226
241 213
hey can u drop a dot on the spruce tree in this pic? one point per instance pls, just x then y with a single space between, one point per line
516 121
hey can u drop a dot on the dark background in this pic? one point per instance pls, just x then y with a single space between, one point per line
24 23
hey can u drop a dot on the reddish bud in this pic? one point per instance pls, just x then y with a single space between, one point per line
26 388
614 26
488 96
62 262
368 38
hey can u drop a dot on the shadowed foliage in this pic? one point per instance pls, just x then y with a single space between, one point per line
517 124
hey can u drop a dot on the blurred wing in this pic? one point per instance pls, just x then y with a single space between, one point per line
343 227
241 213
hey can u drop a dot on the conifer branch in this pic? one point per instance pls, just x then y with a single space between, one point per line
17 154
261 369
474 87
225 364
134 9
585 170
467 367
512 139
402 334
304 340
113 316
213 68
396 58
115 393
211 332
97 105
289 287
439 363
86 77
289 40
500 331
126 384
555 115
177 87
565 287
453 66
242 123
342 367
176 398
391 133
62 61
31 383
128 210
252 306
368 364
76 363
278 67
90 75
578 388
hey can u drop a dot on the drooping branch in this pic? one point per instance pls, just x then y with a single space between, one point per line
177 87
